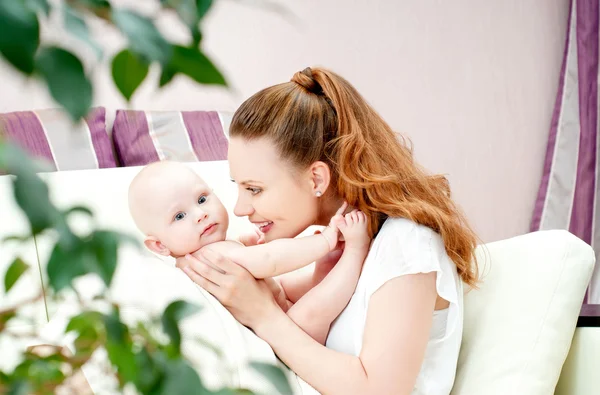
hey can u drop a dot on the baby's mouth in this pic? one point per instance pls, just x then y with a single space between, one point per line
208 229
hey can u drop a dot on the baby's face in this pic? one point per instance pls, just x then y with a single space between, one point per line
185 214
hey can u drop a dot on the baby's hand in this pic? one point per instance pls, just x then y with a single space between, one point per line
253 238
354 228
331 232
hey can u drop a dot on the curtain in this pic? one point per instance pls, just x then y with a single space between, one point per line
568 196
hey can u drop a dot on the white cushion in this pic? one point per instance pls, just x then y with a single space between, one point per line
519 325
144 283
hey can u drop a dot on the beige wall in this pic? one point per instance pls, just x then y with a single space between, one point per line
471 82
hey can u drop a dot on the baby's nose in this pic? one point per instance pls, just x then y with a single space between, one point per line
202 215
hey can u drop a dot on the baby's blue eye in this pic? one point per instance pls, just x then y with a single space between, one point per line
179 216
201 199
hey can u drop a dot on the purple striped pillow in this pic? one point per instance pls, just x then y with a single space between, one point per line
143 137
52 138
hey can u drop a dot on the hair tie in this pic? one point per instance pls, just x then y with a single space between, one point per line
305 79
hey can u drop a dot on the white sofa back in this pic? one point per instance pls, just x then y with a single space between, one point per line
518 325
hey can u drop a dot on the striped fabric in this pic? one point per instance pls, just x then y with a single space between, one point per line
142 137
56 142
569 195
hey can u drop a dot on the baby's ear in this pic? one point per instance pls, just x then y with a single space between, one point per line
154 245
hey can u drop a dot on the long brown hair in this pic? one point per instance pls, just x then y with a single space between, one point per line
318 115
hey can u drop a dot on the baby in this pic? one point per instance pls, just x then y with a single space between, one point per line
180 215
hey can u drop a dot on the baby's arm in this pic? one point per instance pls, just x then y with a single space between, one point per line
284 255
317 309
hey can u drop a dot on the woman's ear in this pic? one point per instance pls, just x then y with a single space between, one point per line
154 245
320 178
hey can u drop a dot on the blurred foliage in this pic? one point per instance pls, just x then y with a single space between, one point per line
147 355
64 73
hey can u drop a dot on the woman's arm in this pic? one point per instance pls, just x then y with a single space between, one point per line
320 306
297 283
396 334
397 329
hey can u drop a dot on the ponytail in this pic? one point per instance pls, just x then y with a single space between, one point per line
319 115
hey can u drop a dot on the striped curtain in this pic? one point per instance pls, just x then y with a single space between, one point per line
569 196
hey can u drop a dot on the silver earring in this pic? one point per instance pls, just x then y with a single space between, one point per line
318 194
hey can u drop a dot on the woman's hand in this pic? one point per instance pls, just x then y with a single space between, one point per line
250 301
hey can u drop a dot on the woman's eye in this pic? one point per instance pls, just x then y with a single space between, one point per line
201 199
179 216
254 191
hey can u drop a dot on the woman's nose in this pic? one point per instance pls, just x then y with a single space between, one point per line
242 208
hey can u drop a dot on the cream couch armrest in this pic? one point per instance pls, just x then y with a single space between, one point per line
580 370
519 324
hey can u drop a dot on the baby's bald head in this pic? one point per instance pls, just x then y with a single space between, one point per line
147 197
175 209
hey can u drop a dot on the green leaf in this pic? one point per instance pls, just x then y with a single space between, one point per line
100 8
128 72
16 161
17 238
87 319
150 373
181 378
77 26
67 264
19 387
30 192
66 79
119 348
190 12
175 312
5 317
44 372
186 9
39 5
203 6
86 342
67 239
144 38
104 246
14 272
95 254
89 325
194 64
166 76
20 36
275 375
78 209
95 3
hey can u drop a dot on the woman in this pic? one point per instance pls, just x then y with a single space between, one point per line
297 151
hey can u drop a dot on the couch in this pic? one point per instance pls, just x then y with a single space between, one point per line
523 333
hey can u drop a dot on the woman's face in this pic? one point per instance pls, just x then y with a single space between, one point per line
278 199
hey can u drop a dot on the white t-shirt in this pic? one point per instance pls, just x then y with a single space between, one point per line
403 247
